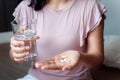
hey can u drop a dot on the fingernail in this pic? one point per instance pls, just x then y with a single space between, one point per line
36 65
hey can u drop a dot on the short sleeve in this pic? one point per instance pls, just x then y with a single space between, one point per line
96 15
92 17
22 13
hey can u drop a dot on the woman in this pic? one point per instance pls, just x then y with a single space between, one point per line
71 38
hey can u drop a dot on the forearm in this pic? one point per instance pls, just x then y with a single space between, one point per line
95 47
91 60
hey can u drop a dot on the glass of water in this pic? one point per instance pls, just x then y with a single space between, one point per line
26 33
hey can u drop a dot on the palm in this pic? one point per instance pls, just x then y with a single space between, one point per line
63 61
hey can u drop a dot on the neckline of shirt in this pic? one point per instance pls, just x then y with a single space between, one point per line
59 11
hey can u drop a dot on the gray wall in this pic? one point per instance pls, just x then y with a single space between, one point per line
112 24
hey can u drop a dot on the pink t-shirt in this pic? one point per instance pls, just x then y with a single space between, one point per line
60 31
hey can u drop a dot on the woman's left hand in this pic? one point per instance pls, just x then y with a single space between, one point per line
64 61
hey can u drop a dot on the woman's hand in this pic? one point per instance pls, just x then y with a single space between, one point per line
64 61
19 50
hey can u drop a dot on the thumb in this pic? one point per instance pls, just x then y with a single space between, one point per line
37 37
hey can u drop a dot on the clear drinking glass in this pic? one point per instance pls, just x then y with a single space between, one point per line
26 33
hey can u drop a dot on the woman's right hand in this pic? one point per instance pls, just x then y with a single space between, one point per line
18 50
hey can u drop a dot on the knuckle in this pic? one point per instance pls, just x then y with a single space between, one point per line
16 43
17 60
19 49
19 55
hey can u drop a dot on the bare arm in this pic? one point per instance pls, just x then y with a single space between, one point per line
95 52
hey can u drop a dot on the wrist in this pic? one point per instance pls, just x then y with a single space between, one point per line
82 57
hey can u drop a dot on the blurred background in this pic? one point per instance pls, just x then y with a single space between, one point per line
6 9
112 24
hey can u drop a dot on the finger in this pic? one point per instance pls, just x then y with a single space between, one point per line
44 62
38 64
51 67
16 43
50 60
20 49
20 55
36 37
19 60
